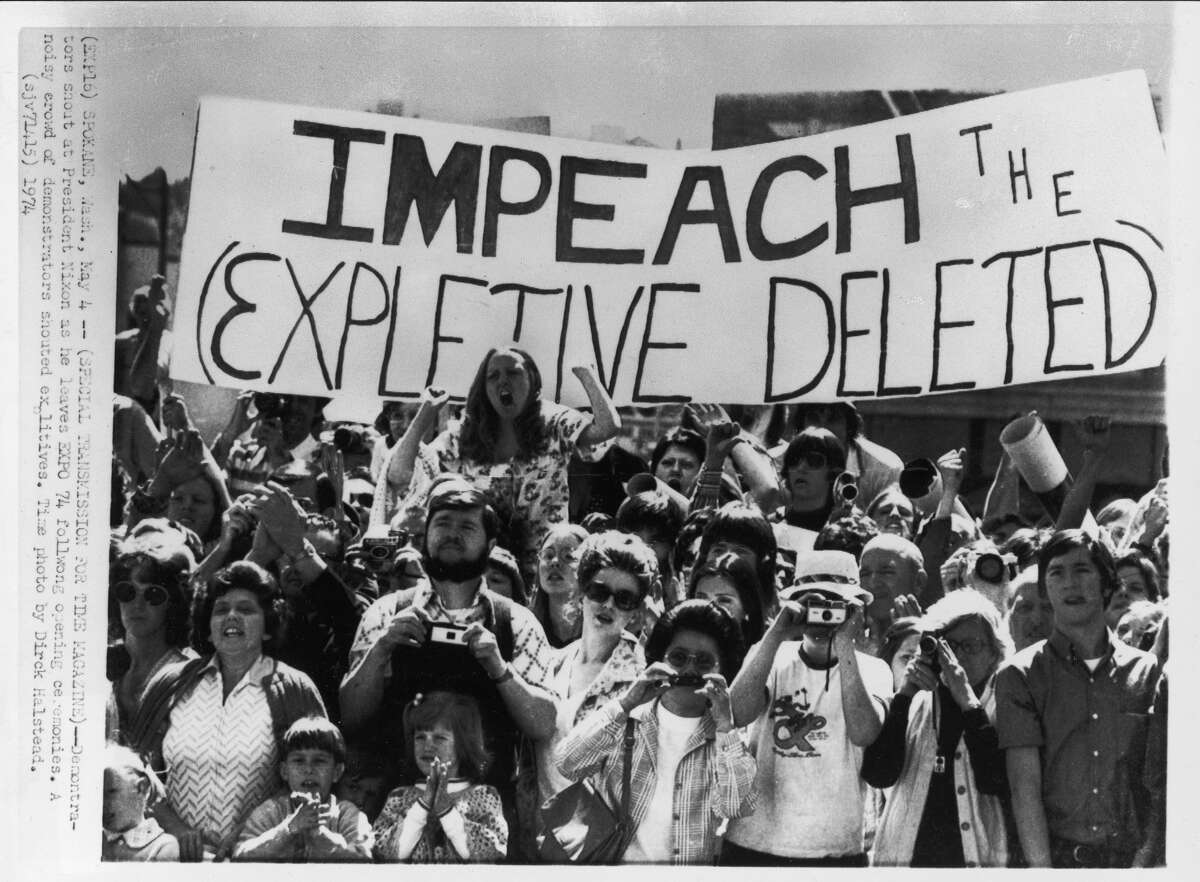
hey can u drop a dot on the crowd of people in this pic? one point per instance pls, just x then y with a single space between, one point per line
769 643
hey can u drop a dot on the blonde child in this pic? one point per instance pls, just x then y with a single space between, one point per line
447 817
128 834
307 823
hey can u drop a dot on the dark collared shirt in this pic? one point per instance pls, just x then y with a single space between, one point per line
1091 729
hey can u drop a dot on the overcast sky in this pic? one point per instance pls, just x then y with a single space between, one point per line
657 82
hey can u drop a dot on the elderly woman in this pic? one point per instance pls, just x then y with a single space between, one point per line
511 444
148 611
617 572
690 770
216 722
939 751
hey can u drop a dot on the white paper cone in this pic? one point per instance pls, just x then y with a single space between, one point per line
1034 453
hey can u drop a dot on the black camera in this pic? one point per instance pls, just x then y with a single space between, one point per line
845 487
377 550
917 478
929 649
691 679
992 568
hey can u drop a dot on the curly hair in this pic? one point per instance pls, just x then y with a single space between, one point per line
460 714
850 534
246 576
622 551
481 424
167 566
703 618
743 577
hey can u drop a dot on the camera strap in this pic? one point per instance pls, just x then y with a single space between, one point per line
939 761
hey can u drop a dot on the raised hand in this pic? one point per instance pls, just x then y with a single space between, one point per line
716 689
906 606
1095 434
918 675
955 677
649 685
282 517
334 467
950 466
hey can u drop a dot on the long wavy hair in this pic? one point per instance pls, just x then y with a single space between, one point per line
481 424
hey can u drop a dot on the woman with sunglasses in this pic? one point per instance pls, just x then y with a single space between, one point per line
689 768
811 464
938 750
148 616
617 572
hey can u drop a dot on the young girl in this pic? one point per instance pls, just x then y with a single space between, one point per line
128 834
447 818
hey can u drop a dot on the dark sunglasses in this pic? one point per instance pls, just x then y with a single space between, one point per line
598 592
705 662
127 592
814 459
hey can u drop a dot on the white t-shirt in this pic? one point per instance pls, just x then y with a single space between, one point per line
652 842
810 793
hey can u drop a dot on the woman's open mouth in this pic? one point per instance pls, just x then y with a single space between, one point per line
506 398
232 631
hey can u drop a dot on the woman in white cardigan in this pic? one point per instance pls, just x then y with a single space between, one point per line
938 754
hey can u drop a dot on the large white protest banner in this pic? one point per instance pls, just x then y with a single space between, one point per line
1011 239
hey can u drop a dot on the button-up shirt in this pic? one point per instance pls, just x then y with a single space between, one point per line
220 750
532 656
1091 729
714 779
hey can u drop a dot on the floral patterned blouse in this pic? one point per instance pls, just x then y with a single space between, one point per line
622 668
532 489
486 831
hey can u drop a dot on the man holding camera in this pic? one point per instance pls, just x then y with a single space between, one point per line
816 704
451 633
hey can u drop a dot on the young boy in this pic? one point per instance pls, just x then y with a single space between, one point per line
308 823
128 834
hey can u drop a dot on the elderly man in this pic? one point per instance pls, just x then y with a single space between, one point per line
891 567
1072 713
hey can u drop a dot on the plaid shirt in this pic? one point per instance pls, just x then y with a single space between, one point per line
714 780
532 655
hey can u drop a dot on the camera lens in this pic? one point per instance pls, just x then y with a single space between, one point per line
990 568
849 492
380 552
928 645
